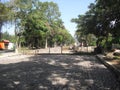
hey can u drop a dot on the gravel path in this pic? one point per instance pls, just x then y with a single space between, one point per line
55 72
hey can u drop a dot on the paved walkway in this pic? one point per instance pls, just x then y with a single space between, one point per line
55 72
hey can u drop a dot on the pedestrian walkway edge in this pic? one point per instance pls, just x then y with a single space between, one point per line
110 67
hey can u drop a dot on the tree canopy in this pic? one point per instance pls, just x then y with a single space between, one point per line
38 23
4 12
103 20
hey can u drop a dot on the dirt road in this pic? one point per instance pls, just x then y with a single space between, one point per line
55 72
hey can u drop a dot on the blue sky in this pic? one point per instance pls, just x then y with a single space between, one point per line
69 9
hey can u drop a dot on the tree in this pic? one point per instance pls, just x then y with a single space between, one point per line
36 22
42 19
4 12
102 20
64 37
35 29
7 36
19 9
83 34
52 14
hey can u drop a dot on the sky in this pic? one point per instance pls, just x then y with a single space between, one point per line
69 9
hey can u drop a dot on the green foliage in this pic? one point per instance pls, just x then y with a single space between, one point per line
105 42
4 12
35 22
65 37
91 40
101 19
7 36
116 40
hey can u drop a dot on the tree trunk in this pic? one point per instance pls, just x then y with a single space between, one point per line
19 43
0 31
16 45
46 43
55 44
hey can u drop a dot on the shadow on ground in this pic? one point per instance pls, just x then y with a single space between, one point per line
57 72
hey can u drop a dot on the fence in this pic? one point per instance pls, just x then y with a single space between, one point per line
51 50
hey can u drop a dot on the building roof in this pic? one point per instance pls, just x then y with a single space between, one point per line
6 41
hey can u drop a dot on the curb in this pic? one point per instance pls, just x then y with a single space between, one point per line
110 67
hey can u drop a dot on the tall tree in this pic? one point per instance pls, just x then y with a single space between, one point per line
52 14
102 19
4 12
36 21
